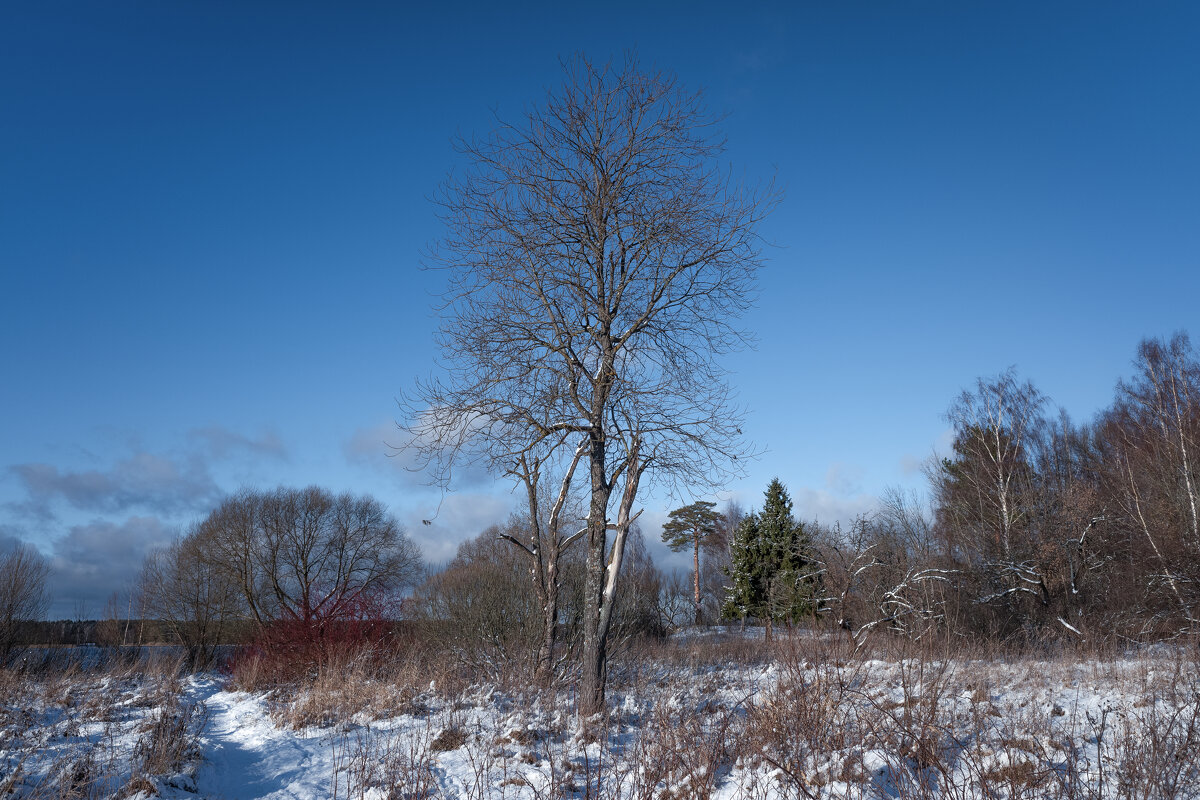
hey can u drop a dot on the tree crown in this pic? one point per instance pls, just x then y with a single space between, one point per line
690 525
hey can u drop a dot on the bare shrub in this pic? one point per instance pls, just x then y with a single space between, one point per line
481 609
1157 747
370 762
171 737
814 711
680 751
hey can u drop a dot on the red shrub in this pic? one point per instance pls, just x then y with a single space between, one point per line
361 628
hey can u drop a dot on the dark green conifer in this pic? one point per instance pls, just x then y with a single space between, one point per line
773 575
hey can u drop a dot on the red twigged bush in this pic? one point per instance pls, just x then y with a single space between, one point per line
362 629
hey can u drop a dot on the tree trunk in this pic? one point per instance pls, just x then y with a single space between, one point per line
591 689
591 695
544 670
696 577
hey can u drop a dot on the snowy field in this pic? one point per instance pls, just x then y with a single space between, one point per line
694 719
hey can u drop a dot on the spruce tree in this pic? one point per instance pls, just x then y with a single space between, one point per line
693 525
772 571
741 595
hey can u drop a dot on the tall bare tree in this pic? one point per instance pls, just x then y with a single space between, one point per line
1152 470
987 482
598 255
1162 404
23 598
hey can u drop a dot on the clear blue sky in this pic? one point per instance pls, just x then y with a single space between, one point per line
211 215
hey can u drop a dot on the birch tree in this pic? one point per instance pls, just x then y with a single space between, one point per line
597 256
1162 407
1150 470
547 537
988 481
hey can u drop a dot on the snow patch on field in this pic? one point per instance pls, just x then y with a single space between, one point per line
823 728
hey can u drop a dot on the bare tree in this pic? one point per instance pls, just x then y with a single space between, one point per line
990 509
23 598
544 540
197 602
307 555
986 484
1151 467
677 607
598 256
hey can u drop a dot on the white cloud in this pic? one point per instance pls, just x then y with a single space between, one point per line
221 442
143 480
844 479
458 518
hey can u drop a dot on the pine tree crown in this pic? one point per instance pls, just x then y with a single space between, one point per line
690 525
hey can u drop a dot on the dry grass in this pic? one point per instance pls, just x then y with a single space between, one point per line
360 689
810 717
803 717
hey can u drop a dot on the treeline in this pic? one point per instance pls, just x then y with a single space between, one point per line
1038 526
1035 527
303 577
115 632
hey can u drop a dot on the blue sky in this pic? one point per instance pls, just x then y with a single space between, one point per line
211 216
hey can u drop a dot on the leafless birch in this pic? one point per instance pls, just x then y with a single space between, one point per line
546 540
995 427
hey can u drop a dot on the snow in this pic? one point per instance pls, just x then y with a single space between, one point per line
675 730
248 756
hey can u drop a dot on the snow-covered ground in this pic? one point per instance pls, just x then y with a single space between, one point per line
690 725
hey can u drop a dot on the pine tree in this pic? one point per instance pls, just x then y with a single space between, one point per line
694 525
772 571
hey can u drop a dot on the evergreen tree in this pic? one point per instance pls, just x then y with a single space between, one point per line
694 525
744 562
773 576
